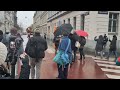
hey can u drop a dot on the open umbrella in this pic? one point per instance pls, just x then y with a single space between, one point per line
67 28
81 33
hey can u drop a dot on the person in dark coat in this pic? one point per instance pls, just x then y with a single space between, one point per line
74 48
1 35
35 48
105 42
6 38
56 42
82 42
25 68
99 45
112 48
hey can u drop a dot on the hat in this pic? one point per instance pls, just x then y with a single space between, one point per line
3 53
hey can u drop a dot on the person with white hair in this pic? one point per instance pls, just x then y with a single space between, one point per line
3 54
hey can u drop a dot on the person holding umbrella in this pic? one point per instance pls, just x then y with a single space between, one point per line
65 47
82 42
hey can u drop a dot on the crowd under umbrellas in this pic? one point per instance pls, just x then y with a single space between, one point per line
66 42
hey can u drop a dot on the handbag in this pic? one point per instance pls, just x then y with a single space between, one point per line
57 58
77 44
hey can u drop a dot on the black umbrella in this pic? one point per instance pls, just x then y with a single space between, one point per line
64 28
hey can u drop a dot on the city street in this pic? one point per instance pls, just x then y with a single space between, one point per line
87 69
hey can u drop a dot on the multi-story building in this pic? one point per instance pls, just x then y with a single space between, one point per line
94 22
8 20
40 22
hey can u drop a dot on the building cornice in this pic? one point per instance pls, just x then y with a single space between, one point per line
57 15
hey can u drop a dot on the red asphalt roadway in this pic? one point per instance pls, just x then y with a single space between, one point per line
86 69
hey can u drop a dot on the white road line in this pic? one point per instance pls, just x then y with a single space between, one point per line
110 70
109 62
113 76
107 65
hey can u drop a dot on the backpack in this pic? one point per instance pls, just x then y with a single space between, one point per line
34 49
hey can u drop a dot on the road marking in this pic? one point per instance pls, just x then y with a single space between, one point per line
110 70
109 62
113 76
107 65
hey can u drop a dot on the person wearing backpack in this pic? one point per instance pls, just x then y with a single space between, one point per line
35 48
82 42
64 44
5 40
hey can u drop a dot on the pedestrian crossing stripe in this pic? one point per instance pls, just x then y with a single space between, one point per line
113 76
111 70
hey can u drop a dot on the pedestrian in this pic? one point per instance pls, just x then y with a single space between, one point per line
45 36
105 42
6 38
63 70
1 35
112 48
28 36
99 45
82 42
20 44
56 42
25 67
3 70
35 48
73 47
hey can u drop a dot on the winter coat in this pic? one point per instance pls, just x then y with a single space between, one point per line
105 40
63 45
25 68
41 44
73 41
56 40
113 44
82 41
5 40
99 44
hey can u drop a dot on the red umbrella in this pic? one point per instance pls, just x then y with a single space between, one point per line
81 33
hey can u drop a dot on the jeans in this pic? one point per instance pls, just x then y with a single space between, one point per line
114 52
81 53
33 63
101 53
62 71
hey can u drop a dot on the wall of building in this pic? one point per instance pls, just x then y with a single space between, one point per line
7 20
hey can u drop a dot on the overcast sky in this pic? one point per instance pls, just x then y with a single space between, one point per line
25 18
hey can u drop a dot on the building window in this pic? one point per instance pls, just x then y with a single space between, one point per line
69 20
82 21
64 21
113 22
74 22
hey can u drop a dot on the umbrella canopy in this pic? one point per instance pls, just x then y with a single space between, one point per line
64 28
81 33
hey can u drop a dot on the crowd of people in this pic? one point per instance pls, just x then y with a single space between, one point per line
101 46
66 45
